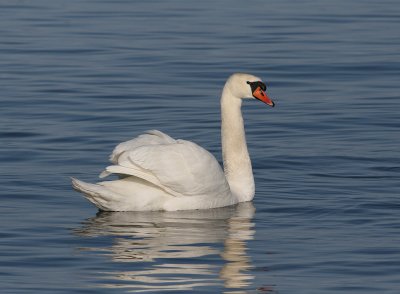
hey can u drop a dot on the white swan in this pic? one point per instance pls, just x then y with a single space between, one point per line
158 172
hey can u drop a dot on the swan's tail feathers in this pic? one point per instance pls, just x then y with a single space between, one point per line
99 195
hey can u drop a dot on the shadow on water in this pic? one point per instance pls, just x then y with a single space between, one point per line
175 250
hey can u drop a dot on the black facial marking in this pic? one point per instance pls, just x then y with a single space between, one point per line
255 85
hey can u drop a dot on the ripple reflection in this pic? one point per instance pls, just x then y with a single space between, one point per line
175 250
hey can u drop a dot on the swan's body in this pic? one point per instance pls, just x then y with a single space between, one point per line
158 172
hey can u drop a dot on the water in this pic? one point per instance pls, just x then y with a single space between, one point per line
77 77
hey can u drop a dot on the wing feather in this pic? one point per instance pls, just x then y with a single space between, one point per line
152 137
181 168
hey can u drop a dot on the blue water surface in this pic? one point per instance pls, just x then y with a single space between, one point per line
78 77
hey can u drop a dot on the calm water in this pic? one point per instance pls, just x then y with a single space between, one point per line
77 77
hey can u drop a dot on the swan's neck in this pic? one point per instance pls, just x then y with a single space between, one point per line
237 164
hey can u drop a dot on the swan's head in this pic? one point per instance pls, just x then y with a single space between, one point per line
243 86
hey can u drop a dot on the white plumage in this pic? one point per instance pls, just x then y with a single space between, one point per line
158 172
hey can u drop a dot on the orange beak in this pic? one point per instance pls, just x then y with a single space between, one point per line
262 96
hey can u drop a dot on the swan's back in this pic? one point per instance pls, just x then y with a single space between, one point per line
152 137
179 167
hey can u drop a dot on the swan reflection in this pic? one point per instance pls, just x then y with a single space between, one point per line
176 250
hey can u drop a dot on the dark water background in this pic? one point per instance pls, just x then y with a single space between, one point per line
77 77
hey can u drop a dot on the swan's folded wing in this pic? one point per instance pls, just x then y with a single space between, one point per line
181 168
152 137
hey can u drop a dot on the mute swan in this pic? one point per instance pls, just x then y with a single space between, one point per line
158 172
